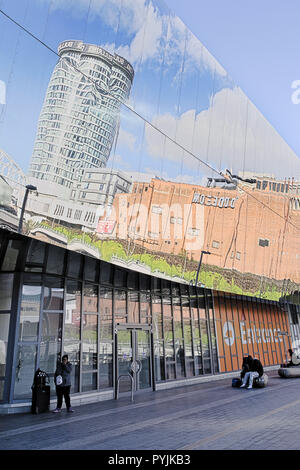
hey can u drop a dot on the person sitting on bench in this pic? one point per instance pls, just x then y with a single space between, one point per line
245 366
255 370
294 361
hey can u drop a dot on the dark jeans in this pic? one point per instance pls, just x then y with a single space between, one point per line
63 392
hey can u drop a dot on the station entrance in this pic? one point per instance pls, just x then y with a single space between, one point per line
133 348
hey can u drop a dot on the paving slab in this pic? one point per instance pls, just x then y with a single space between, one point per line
206 416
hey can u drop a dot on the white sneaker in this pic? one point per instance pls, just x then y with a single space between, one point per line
250 386
57 410
243 385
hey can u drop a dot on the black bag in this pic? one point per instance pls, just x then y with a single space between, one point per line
236 382
40 399
41 379
260 382
40 392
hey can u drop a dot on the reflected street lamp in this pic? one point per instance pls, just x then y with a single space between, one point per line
203 252
29 187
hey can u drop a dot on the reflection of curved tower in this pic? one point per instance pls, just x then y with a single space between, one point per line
79 118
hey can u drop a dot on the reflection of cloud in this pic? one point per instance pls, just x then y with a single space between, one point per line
181 39
150 33
146 41
231 133
127 139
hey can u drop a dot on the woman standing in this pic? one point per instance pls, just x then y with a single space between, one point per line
62 380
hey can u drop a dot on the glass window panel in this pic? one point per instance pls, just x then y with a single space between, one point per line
33 269
145 282
156 285
50 346
26 366
124 354
53 294
4 329
105 313
175 293
72 349
214 343
143 355
120 309
55 260
133 307
168 336
31 278
30 313
180 358
167 311
74 264
145 308
133 280
190 368
105 327
165 287
106 270
6 287
207 365
157 317
120 277
204 336
105 364
170 369
89 341
2 383
11 255
177 319
198 358
90 300
91 269
89 381
73 309
188 340
36 253
159 359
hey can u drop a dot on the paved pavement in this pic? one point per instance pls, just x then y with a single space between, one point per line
207 416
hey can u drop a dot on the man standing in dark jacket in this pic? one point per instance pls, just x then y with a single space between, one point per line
63 385
255 370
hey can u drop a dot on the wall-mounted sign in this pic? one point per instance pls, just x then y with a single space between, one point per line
208 200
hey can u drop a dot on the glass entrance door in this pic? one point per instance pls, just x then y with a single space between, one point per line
133 353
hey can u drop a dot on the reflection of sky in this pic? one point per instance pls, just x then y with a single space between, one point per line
178 87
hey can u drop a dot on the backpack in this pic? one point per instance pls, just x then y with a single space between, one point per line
260 382
236 382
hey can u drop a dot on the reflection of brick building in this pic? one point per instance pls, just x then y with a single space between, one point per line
246 229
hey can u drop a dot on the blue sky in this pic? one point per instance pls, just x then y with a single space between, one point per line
178 85
257 42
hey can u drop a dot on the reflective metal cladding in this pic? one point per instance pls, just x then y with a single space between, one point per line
144 151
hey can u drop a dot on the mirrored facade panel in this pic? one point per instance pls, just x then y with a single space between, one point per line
122 138
142 327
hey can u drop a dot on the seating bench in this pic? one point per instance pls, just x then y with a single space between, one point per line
293 371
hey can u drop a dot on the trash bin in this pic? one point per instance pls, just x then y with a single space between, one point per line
40 392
